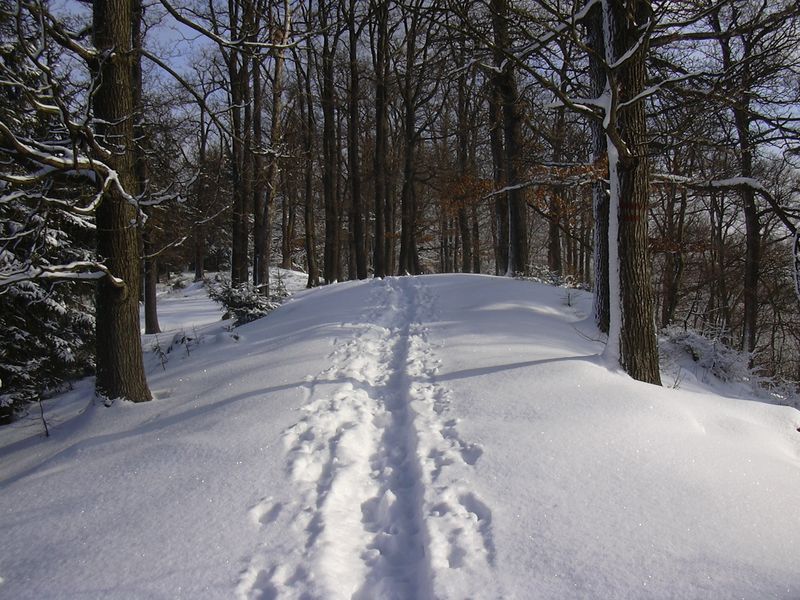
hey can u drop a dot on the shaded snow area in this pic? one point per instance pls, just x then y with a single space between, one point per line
184 304
412 438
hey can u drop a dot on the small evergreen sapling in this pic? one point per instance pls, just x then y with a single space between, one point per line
244 302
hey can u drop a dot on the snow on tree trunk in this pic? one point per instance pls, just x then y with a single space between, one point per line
612 349
632 338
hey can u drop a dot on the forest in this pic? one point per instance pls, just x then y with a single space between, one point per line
644 150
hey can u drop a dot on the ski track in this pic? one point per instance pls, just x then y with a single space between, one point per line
380 501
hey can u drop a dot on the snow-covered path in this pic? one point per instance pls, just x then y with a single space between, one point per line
381 501
417 438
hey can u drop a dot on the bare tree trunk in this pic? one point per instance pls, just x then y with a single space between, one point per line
199 235
638 350
599 152
408 209
752 225
267 190
741 108
673 259
500 179
150 287
506 84
201 185
462 140
261 219
241 118
476 241
120 369
554 236
357 218
329 152
306 113
409 260
288 227
140 168
390 216
557 196
380 64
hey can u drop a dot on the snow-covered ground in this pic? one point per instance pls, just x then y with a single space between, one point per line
184 304
434 437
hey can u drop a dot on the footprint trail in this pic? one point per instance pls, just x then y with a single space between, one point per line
379 504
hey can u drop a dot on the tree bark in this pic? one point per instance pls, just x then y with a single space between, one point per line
506 84
353 148
241 20
462 140
476 241
261 212
120 368
199 236
638 349
500 179
599 152
380 65
309 221
331 268
140 168
267 182
409 258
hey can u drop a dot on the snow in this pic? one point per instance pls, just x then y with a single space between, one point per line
445 436
612 351
184 306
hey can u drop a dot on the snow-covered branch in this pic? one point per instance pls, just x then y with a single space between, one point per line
78 270
730 183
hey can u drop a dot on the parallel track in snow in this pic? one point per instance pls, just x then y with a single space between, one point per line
374 512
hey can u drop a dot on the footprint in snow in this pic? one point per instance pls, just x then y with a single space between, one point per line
266 511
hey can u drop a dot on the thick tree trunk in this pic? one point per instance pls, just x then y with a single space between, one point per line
120 369
638 349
